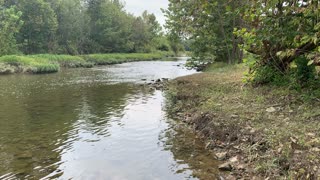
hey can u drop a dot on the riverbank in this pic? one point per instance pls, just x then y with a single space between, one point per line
257 132
50 63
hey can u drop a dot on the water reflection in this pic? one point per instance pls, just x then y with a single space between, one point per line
91 124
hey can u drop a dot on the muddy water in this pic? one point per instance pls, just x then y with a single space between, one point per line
96 123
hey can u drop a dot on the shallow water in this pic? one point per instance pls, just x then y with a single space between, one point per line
97 123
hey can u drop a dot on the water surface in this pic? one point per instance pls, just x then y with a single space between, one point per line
98 123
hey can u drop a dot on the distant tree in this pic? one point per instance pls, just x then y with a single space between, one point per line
146 33
10 24
37 34
72 30
209 26
76 27
110 26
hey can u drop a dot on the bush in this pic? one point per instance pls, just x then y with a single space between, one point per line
305 73
299 75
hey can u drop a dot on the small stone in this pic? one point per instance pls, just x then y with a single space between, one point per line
180 114
271 110
208 145
315 168
234 116
311 134
234 159
252 131
241 167
298 152
225 167
221 156
230 177
294 140
315 149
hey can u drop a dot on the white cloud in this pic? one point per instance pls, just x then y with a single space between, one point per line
153 6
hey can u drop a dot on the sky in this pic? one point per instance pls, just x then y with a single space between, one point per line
152 6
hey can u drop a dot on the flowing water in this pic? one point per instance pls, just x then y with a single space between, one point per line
98 123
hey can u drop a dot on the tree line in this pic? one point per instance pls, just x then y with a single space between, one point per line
276 38
76 27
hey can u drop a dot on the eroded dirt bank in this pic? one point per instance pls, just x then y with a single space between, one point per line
257 132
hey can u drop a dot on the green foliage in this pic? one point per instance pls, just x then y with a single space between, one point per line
279 32
76 27
274 34
208 28
304 72
10 24
38 32
268 74
72 27
110 26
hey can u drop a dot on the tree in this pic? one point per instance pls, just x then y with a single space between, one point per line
110 26
72 32
146 33
37 34
10 24
209 26
76 27
279 32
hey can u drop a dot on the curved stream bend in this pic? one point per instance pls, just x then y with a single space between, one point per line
96 124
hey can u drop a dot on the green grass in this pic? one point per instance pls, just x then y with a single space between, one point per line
21 64
107 59
65 60
49 63
223 67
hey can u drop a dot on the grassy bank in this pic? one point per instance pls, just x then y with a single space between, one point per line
264 132
48 63
108 59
